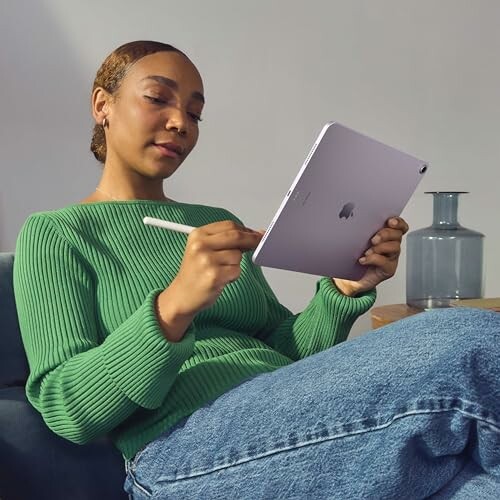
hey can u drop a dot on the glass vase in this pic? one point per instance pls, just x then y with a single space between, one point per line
444 261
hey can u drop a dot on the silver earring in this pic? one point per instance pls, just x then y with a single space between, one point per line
104 122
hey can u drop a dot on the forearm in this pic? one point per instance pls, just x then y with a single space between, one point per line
93 391
326 321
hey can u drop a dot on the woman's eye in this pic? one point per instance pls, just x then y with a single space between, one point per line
155 100
195 117
158 100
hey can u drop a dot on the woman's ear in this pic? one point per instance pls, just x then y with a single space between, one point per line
100 104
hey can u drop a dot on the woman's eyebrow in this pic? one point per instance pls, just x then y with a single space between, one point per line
173 85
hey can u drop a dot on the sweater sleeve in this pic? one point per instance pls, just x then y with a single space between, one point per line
326 321
82 385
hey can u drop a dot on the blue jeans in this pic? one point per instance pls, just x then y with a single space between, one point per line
408 411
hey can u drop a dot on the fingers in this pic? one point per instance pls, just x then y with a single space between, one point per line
387 234
386 249
221 227
381 263
397 227
224 258
390 249
212 259
387 241
234 239
398 223
225 235
382 258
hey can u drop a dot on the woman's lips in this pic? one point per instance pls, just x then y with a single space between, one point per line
165 150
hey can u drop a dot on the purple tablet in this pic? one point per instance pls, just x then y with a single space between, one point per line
347 188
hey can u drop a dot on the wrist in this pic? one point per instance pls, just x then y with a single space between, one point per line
171 319
348 288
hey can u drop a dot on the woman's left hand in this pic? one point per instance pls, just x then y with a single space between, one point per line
381 260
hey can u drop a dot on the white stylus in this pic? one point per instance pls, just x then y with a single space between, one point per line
165 224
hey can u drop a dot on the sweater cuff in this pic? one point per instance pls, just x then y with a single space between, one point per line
350 307
140 360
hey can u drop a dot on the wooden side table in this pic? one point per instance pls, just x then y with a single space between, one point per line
383 315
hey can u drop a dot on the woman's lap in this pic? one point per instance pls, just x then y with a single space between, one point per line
384 415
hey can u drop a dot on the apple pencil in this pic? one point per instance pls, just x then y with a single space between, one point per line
165 224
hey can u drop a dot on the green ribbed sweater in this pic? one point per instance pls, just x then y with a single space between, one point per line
85 280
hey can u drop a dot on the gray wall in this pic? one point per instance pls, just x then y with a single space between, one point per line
423 76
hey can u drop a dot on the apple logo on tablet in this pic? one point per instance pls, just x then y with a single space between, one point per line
347 211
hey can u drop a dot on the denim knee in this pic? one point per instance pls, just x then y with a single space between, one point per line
466 325
456 339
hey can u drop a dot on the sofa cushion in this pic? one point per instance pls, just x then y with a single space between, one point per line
13 363
36 463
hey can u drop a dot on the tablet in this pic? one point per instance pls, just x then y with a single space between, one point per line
347 188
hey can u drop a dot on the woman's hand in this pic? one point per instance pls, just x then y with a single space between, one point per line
381 259
211 260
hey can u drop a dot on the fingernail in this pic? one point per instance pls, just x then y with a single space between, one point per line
393 222
369 251
376 240
362 260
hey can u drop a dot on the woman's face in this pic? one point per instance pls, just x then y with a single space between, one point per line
153 119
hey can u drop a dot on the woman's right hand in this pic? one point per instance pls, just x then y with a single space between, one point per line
211 260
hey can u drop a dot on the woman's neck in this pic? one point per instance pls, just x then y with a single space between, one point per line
122 185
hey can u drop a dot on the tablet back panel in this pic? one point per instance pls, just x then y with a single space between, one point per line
345 191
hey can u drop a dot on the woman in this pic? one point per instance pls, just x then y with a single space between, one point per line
178 349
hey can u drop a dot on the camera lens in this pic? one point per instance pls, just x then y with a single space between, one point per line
423 169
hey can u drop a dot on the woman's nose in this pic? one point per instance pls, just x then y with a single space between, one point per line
177 120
